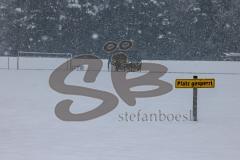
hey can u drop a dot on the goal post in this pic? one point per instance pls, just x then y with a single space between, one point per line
47 55
4 62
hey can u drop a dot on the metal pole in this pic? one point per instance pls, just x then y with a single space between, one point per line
71 61
67 62
8 62
195 97
18 61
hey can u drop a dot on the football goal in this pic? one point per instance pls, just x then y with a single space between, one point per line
42 60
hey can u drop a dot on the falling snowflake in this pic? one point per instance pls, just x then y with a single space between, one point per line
129 1
160 36
154 2
195 20
160 15
2 7
45 38
18 9
228 25
196 9
6 53
59 27
31 26
165 21
74 4
62 17
95 36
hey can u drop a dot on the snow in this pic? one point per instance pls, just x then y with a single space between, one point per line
31 26
18 9
165 21
129 1
197 9
95 36
2 7
154 2
30 130
74 4
160 36
160 15
6 53
94 9
91 8
44 37
195 20
228 25
62 17
60 27
231 54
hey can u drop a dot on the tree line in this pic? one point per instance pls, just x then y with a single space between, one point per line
161 29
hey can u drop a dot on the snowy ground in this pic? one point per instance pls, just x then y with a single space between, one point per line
30 130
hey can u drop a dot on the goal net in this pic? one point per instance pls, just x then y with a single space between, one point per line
42 60
4 62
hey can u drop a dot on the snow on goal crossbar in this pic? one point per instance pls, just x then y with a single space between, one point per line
27 60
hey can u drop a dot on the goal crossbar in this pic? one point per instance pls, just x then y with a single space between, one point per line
20 53
42 54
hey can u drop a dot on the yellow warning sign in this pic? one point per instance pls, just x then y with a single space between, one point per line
195 83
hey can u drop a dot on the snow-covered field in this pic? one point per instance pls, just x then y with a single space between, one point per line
29 129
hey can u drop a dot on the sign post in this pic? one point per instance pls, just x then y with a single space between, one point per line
195 83
195 98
